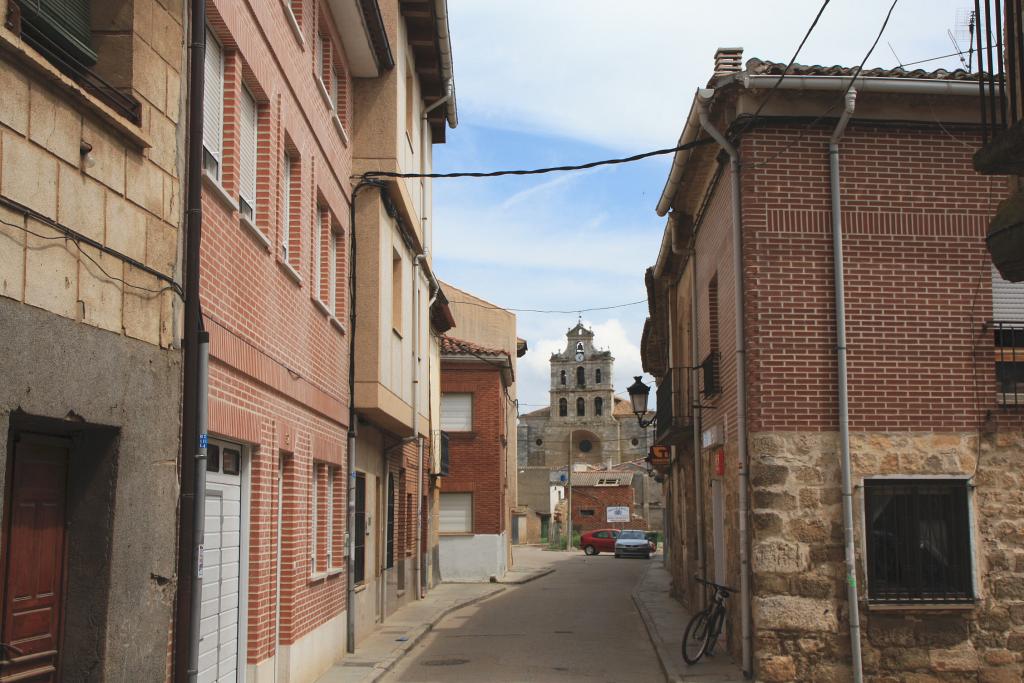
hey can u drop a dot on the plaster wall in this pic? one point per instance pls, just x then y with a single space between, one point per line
473 557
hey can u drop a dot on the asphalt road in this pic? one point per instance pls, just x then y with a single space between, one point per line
577 624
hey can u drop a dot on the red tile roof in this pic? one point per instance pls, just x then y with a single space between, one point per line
453 345
761 67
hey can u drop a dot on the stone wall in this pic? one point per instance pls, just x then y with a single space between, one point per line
797 560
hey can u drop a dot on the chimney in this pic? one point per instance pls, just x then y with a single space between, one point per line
728 60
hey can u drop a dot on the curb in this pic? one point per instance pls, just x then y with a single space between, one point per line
386 665
526 579
648 620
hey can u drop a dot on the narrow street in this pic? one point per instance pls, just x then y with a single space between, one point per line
577 624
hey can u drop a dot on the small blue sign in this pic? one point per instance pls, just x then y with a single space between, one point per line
204 440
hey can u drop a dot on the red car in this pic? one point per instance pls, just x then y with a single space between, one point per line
599 541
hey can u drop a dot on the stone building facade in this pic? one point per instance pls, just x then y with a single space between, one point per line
935 416
92 123
585 422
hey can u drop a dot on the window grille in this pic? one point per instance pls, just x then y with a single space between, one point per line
359 561
918 541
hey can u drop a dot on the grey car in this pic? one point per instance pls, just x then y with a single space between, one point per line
632 543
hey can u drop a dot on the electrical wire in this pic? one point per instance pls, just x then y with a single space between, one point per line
540 310
789 66
70 237
872 49
538 171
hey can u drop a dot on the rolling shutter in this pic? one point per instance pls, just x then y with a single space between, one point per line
247 151
286 206
457 412
456 513
1007 299
62 26
213 100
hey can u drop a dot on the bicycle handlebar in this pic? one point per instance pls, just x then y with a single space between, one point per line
714 585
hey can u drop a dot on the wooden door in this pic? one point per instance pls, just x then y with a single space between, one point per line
34 572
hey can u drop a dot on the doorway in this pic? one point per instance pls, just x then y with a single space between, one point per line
34 573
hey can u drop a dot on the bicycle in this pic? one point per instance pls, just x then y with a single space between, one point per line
702 632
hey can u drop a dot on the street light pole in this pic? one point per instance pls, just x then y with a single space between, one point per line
568 493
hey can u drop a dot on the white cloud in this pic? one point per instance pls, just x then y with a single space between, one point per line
622 75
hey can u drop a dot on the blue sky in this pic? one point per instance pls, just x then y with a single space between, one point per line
552 82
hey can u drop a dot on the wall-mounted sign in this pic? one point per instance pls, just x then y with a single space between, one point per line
720 462
659 456
618 513
712 436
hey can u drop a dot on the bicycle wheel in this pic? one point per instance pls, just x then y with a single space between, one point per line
714 629
695 638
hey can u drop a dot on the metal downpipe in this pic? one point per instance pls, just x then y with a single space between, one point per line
199 504
703 97
844 413
698 463
421 578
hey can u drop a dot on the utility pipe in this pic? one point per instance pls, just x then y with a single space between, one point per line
703 97
199 505
698 455
420 574
193 386
844 413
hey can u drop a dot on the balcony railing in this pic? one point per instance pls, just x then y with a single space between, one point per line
445 457
999 39
675 405
1009 341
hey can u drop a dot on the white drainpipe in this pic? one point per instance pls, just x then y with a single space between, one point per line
844 413
703 97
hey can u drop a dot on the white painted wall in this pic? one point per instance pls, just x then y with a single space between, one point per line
472 557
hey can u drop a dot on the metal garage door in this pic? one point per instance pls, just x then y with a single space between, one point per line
220 647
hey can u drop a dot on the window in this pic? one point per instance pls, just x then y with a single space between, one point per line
321 57
918 540
331 472
247 137
1008 325
563 408
359 561
456 513
539 442
318 244
314 530
581 407
579 347
586 513
396 291
586 446
62 24
598 406
288 175
409 118
597 376
457 412
581 376
213 107
332 270
563 378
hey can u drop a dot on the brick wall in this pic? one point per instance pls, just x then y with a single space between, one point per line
477 458
279 370
598 499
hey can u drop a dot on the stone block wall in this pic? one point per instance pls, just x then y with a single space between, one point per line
797 560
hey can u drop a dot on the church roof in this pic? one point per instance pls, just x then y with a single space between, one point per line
580 330
540 412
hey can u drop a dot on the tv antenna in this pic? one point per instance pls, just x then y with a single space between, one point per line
963 34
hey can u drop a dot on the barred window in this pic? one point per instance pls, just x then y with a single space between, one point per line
918 540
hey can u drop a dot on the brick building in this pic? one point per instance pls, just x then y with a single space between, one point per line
91 123
474 511
755 487
593 493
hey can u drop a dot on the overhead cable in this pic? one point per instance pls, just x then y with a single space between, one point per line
538 171
540 310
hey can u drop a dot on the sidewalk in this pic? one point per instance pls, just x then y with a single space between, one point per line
666 620
378 653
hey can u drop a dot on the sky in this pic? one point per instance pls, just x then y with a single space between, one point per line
552 82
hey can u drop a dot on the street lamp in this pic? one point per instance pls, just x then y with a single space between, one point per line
638 395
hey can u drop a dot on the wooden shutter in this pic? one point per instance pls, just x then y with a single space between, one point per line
457 412
456 513
213 99
1007 299
247 149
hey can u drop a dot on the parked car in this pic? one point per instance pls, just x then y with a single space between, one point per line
632 543
599 541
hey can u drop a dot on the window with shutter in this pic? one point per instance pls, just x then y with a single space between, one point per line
286 206
213 106
247 155
457 412
318 245
1007 299
332 271
61 27
332 87
456 513
313 520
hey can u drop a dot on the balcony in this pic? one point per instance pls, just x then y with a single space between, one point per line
999 37
1009 361
675 407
